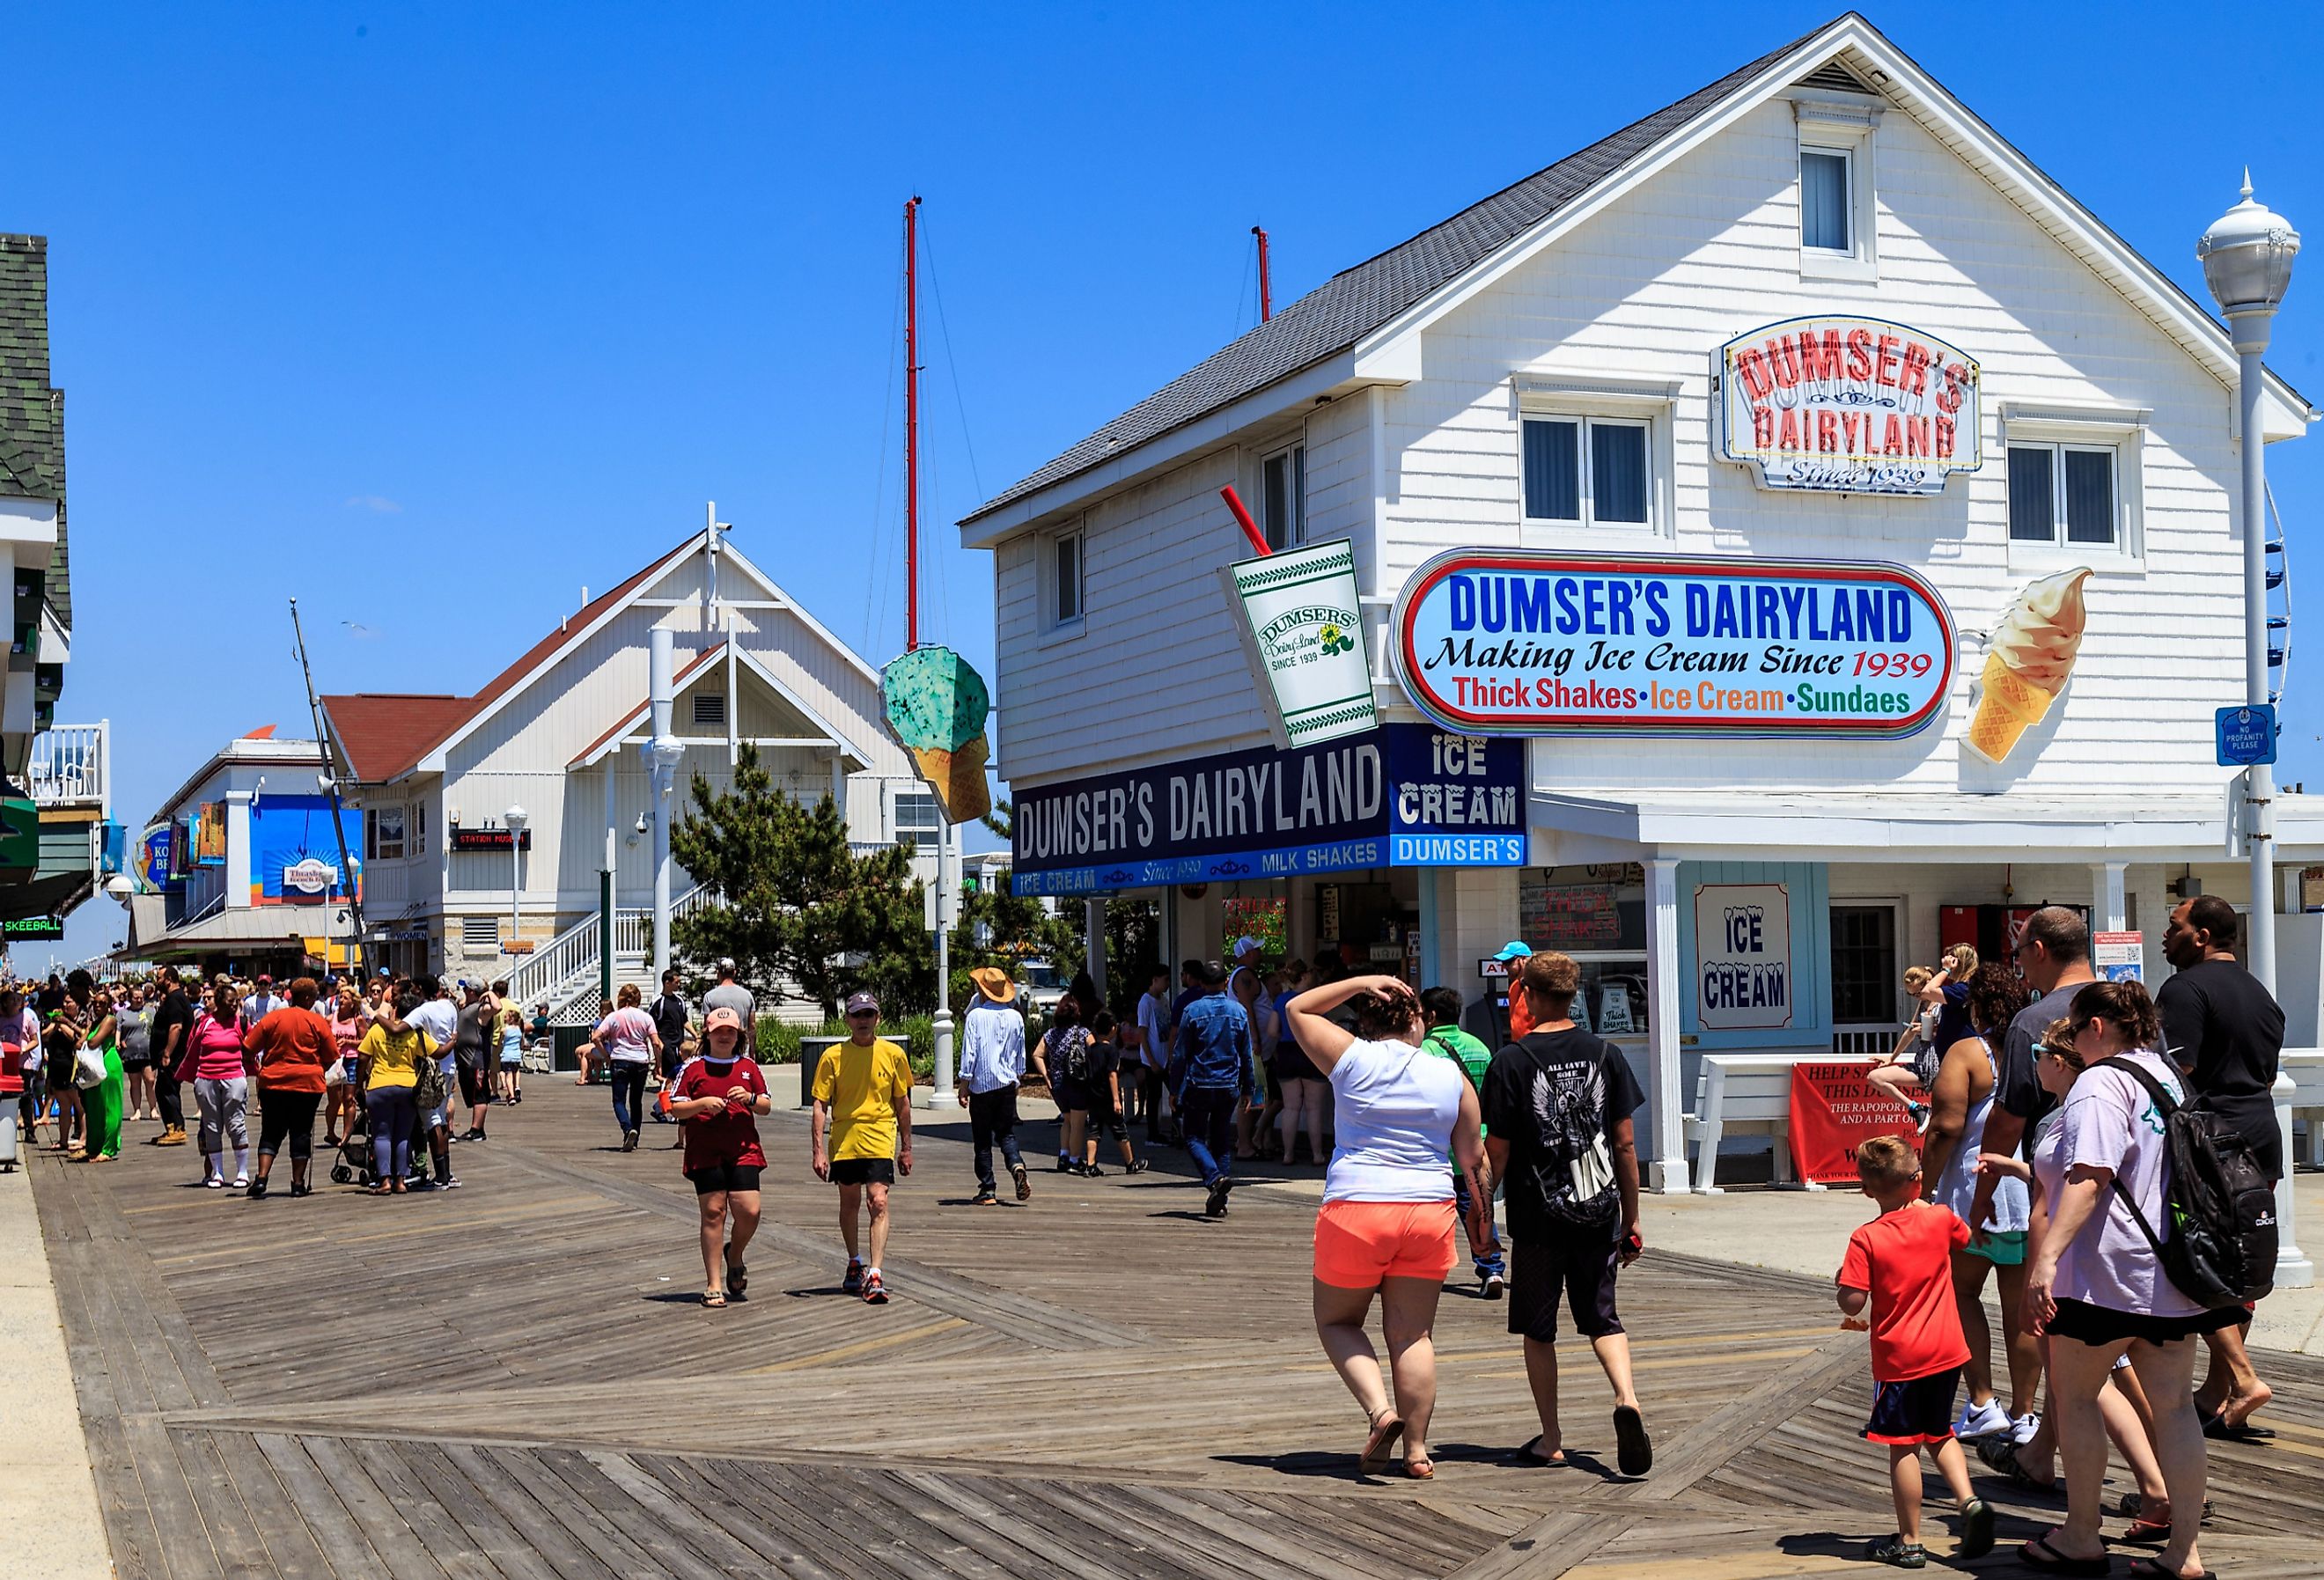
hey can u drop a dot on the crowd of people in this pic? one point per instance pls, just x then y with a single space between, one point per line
2044 1107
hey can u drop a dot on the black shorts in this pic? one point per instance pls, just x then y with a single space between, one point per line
475 1085
2097 1326
1584 1264
1070 1096
1916 1410
130 1067
715 1177
863 1171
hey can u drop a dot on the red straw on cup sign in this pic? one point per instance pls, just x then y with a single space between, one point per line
1242 518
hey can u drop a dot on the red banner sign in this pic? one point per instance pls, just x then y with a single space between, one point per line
1835 1108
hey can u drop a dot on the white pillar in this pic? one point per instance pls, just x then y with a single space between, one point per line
1093 945
2293 1270
1667 1096
663 753
2106 905
948 910
237 881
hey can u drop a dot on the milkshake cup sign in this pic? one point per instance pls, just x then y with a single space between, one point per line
1303 631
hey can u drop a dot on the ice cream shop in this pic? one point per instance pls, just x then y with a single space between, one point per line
1822 528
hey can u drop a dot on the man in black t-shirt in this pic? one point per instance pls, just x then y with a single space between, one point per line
172 1023
2227 1032
1557 1109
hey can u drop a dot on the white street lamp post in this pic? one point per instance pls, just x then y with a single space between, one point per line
516 817
2247 257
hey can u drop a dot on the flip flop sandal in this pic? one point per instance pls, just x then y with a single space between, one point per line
1383 1436
2145 1533
1420 1470
2038 1554
2150 1569
738 1280
1634 1452
716 1299
1531 1456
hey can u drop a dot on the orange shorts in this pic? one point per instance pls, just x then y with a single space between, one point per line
1360 1243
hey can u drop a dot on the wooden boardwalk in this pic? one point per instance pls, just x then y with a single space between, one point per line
512 1381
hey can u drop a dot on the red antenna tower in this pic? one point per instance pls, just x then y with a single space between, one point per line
911 427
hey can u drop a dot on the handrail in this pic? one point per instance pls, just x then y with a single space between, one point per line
66 763
575 950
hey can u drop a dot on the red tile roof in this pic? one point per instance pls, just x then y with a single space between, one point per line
386 733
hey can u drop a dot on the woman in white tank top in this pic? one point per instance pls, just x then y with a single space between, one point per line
1386 1225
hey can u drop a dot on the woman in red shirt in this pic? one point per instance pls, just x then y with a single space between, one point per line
717 1098
293 1044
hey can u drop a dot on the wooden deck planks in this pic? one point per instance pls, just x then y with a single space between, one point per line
511 1382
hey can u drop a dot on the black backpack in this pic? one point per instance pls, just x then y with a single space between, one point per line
2222 1246
1074 1054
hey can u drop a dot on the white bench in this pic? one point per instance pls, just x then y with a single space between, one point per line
1747 1092
2305 1065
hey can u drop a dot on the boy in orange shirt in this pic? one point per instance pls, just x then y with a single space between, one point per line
1900 1266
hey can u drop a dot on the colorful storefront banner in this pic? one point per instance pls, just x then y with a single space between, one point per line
153 864
1540 642
1305 638
1835 1109
1406 795
209 834
1848 405
1743 957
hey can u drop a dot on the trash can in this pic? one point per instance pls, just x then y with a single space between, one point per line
566 1042
811 1052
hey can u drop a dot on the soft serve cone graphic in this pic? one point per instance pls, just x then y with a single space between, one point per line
2031 654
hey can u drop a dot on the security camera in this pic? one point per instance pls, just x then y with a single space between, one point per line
641 825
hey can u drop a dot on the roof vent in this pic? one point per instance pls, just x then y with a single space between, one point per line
1832 74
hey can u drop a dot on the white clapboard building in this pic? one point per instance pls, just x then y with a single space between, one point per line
1818 322
558 734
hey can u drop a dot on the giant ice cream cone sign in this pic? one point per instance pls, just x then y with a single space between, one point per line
937 705
2028 662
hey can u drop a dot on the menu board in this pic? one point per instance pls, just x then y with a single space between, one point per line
1565 916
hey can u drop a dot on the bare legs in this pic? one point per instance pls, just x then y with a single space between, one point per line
718 1252
1904 1481
852 1198
2231 1388
1613 1353
1407 1314
1303 1109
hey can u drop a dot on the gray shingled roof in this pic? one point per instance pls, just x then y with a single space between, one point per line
32 410
1354 302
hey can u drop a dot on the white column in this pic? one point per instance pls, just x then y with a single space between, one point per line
1667 1096
2107 906
947 911
2293 1270
237 850
663 753
613 826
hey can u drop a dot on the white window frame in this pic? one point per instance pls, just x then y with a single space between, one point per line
374 834
2119 431
1622 403
1294 457
898 832
1847 127
1055 625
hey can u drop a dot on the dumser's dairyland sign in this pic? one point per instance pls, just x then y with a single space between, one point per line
1848 405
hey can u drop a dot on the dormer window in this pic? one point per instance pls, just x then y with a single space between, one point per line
1825 187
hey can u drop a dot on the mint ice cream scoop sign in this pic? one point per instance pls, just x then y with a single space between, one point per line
1302 633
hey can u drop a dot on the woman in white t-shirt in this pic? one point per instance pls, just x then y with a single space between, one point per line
1385 1225
628 1042
2095 1285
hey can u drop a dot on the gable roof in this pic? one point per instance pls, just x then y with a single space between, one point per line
1385 294
385 735
688 672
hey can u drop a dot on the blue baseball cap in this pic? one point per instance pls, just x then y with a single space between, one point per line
1514 950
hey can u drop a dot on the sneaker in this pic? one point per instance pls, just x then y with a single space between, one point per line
1139 1166
1214 1205
629 1141
875 1292
171 1138
419 1185
1024 1181
984 1198
2022 1430
450 1182
1896 1550
1092 1171
1065 1164
852 1282
1976 1529
1494 1285
1981 1420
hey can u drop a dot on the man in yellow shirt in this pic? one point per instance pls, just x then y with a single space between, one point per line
864 1097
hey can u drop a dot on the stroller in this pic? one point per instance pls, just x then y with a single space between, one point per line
354 1158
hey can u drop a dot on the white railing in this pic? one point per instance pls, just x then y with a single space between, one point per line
1862 1042
633 929
559 958
70 764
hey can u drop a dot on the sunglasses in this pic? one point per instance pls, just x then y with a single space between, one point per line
2071 1061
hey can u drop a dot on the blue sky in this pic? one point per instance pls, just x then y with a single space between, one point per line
433 315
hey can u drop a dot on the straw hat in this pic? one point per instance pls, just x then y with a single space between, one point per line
993 983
